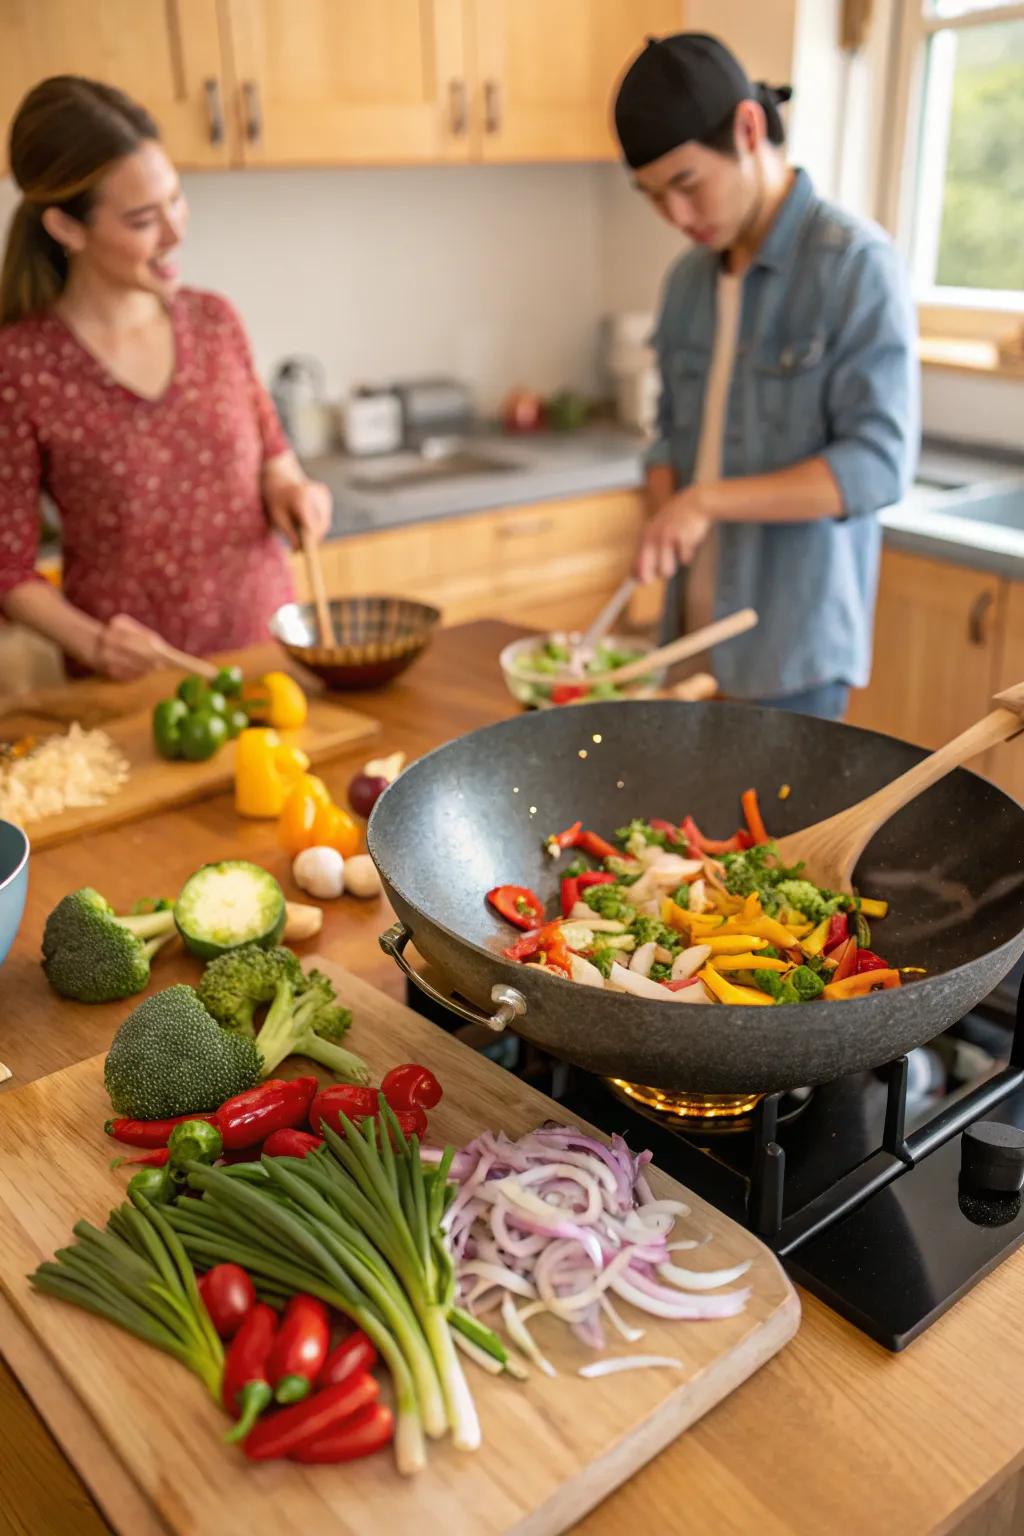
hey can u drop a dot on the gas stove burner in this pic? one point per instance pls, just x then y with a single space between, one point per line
700 1115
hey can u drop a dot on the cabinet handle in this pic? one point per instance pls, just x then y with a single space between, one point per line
251 111
458 109
214 112
524 527
492 106
976 618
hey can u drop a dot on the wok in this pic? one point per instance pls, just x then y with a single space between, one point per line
474 813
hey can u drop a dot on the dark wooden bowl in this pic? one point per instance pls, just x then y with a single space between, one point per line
377 638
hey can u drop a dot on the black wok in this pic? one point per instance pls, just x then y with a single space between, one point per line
474 814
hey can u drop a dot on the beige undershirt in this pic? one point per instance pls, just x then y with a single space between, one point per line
700 586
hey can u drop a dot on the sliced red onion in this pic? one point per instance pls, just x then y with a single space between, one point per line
520 1336
702 1280
628 1363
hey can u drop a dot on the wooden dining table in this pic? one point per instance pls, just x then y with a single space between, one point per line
833 1437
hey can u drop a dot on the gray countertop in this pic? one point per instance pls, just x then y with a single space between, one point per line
966 506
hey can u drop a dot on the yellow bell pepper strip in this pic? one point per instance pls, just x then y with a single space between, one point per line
726 992
265 769
748 962
814 943
860 986
872 908
734 943
277 700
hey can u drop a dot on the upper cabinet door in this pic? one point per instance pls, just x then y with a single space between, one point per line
546 70
349 82
164 53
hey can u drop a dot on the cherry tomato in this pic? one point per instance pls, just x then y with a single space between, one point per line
411 1087
228 1296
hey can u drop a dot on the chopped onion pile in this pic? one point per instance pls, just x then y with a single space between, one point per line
558 1222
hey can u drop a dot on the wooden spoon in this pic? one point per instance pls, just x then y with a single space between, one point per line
830 849
314 570
679 650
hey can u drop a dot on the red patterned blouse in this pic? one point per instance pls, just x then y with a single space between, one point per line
160 502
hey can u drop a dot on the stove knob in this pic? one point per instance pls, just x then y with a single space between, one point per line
992 1157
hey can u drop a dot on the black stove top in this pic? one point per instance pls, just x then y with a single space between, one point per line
886 1194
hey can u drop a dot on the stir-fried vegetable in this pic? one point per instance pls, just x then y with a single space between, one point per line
675 916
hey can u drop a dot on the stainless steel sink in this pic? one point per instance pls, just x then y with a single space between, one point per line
1001 504
403 471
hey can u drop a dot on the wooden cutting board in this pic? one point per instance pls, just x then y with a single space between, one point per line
146 1438
155 784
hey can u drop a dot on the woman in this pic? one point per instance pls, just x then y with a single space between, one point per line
133 402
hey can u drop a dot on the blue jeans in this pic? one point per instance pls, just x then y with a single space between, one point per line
827 702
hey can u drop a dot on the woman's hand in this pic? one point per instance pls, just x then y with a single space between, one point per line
673 536
126 649
301 504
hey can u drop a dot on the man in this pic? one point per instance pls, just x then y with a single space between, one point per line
788 414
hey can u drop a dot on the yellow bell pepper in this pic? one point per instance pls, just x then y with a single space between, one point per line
734 943
749 962
861 984
814 943
726 992
675 916
775 933
278 700
873 908
265 769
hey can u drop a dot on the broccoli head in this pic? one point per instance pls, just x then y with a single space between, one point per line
651 930
171 1057
92 955
804 897
802 985
235 984
306 1019
609 901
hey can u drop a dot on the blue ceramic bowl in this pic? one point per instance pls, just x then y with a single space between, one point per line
13 882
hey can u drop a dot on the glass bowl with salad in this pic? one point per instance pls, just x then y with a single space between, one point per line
539 673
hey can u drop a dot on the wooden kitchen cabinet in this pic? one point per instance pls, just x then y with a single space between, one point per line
165 53
546 69
1006 764
936 649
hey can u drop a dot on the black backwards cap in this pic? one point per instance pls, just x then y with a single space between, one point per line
682 88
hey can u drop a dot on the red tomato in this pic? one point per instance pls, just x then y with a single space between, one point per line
228 1295
411 1087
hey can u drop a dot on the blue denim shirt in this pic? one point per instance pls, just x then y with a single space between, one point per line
825 367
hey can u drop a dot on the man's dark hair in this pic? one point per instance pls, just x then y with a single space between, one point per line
722 139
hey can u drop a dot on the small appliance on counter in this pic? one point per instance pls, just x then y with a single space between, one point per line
371 421
631 361
298 392
434 408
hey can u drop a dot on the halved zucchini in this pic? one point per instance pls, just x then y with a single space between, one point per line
223 906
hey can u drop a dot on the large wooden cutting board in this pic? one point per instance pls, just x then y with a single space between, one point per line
155 784
146 1438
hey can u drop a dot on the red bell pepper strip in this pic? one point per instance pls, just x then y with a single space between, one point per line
293 1427
411 1086
567 693
678 986
246 1391
838 931
518 905
249 1117
867 960
672 832
547 942
846 961
290 1142
369 1430
597 847
570 894
700 844
229 1296
752 816
355 1101
156 1158
595 877
570 838
351 1356
300 1349
148 1133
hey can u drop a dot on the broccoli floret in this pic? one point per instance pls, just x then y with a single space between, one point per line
640 833
171 1057
609 901
804 897
234 985
651 930
94 956
575 869
604 957
306 1019
660 972
801 986
768 981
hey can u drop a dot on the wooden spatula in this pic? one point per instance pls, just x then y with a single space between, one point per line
679 650
830 849
314 570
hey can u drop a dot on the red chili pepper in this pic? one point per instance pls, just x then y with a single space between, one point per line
595 877
286 1431
411 1086
597 847
570 838
300 1349
567 693
713 845
678 986
570 894
351 1356
157 1158
752 816
229 1296
517 904
846 961
838 931
148 1133
867 960
369 1430
250 1117
246 1391
672 832
355 1101
289 1142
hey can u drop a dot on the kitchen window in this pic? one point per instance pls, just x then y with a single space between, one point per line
957 196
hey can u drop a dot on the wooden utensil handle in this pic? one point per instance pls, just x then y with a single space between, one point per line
196 664
314 571
684 647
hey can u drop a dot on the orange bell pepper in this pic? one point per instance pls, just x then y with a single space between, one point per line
333 827
307 796
752 816
861 985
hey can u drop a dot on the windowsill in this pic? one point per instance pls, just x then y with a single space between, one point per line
960 354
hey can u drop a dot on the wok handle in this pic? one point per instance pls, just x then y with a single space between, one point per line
511 1004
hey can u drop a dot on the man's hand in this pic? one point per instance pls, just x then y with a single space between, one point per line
673 536
301 504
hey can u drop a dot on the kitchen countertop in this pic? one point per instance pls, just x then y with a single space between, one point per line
833 1437
547 465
